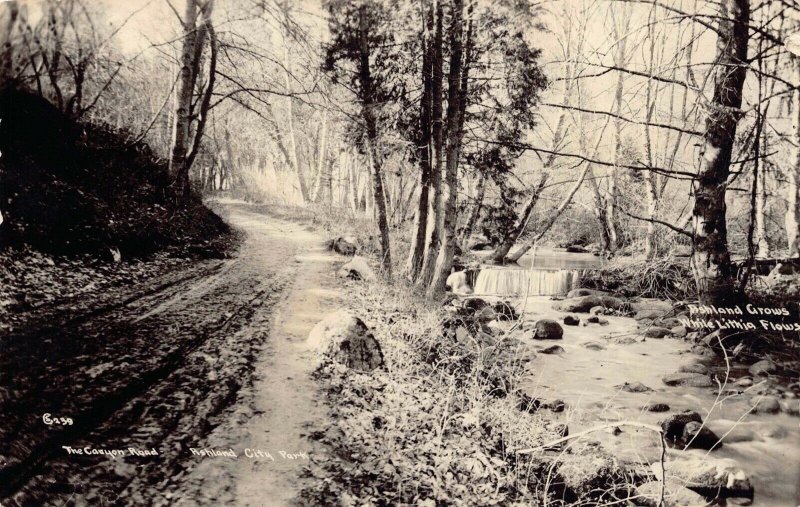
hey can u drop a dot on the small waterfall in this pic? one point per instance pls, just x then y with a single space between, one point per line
504 281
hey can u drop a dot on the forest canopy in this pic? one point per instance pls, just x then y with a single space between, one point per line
651 127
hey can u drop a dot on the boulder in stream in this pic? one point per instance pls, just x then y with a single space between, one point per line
553 349
675 495
576 293
680 379
679 331
585 303
358 269
765 404
588 468
634 387
571 320
763 367
686 429
710 477
457 283
505 310
547 329
693 367
656 407
656 332
344 338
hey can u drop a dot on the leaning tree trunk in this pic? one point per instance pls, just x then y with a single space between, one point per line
444 260
711 259
793 172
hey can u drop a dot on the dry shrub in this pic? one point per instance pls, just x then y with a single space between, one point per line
664 278
439 425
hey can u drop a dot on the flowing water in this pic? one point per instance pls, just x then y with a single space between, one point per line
504 281
546 272
766 446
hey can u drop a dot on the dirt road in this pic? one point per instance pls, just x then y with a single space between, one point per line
164 389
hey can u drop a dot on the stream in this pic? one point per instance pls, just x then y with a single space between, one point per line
588 380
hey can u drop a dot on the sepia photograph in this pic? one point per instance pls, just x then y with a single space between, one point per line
423 253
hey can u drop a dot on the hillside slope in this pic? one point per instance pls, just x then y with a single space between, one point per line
71 188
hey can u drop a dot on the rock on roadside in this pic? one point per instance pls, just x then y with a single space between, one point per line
359 269
344 245
345 339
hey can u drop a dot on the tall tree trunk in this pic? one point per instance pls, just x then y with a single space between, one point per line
322 185
432 227
792 218
368 103
444 260
762 244
417 251
205 102
292 148
711 259
611 198
475 211
651 177
181 130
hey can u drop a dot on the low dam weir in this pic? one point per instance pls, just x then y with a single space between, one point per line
506 281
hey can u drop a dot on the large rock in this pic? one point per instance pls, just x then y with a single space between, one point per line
651 308
687 380
344 338
693 366
344 245
765 404
710 477
686 429
505 310
585 303
457 283
547 329
358 269
588 468
576 293
479 309
656 332
553 349
763 367
675 495
633 387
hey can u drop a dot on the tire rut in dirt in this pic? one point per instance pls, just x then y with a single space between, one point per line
126 384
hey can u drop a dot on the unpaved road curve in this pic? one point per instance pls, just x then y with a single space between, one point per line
212 362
